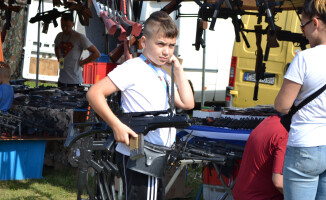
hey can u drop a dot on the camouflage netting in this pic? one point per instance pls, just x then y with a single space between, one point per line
14 40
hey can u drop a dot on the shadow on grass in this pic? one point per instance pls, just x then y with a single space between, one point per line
65 180
26 185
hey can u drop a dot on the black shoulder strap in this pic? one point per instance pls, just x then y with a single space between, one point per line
294 109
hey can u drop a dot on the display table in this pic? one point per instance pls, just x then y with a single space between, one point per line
205 138
238 136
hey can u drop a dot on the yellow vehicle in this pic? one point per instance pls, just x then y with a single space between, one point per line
240 91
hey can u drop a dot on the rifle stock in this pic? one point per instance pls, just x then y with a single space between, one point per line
201 25
125 25
116 53
123 33
136 27
110 26
170 7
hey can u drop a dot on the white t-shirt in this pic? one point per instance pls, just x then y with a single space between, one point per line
142 90
308 127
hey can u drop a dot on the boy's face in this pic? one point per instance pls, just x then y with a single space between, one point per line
66 26
158 49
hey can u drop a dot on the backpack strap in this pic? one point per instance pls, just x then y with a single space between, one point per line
294 109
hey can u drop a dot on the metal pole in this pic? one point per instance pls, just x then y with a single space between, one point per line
203 72
38 45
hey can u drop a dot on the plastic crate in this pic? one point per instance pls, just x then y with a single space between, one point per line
88 73
95 71
21 159
104 58
210 176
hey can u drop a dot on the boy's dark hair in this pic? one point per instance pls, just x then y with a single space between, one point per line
160 22
67 16
315 8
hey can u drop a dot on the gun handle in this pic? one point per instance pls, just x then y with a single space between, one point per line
123 34
172 6
136 28
137 147
266 52
55 23
116 53
245 38
255 98
126 26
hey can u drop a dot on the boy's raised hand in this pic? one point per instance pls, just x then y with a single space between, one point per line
175 61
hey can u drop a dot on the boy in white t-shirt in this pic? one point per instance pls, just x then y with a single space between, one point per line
143 86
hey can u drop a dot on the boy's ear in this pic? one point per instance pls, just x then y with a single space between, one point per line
143 41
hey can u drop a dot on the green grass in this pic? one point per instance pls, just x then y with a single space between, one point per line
32 84
61 185
55 185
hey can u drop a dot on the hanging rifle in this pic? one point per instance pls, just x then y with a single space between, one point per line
47 17
296 38
8 12
113 15
218 4
136 27
260 66
124 24
4 6
112 28
83 12
116 53
172 6
238 29
281 35
201 25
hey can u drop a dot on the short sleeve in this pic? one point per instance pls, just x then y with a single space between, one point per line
84 42
124 75
57 40
296 70
279 153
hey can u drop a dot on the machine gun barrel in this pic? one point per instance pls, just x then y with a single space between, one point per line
140 122
47 17
292 37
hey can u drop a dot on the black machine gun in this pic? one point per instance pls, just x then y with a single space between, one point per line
97 147
139 122
47 17
9 123
260 65
281 35
297 38
272 41
8 12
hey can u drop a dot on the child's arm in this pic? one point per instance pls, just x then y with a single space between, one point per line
184 98
96 98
